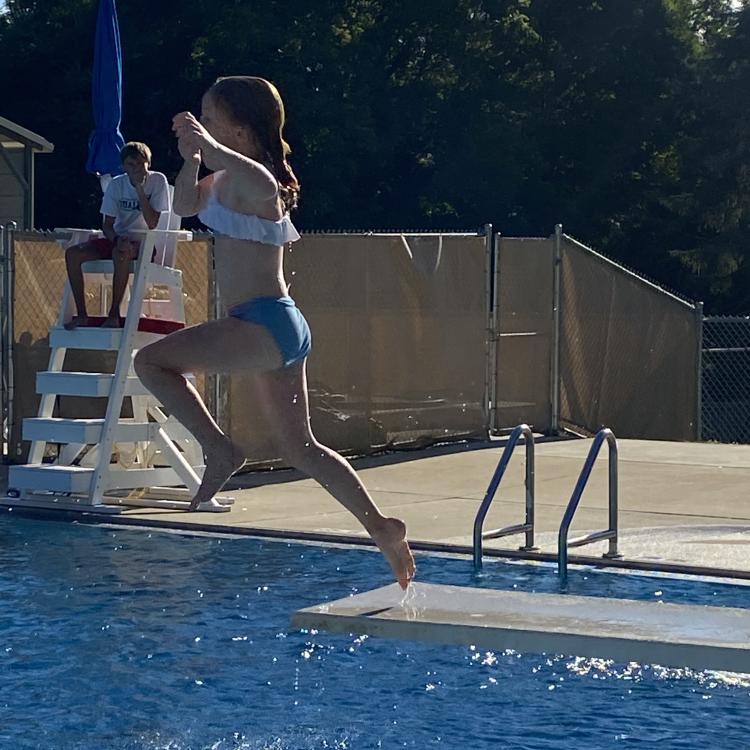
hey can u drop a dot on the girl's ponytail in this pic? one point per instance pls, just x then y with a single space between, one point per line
289 187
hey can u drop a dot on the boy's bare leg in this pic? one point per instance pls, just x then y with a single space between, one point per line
125 252
75 257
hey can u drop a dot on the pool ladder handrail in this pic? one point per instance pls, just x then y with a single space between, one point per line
521 528
610 533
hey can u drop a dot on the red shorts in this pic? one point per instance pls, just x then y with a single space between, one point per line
103 245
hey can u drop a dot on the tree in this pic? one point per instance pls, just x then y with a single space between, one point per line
625 121
713 157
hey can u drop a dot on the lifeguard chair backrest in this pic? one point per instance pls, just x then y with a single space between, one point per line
166 247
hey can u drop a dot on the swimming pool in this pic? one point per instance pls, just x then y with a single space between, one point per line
112 638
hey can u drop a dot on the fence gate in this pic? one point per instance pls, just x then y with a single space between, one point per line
725 391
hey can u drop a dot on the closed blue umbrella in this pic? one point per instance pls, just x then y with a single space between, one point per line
106 139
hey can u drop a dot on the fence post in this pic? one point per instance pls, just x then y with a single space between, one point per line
699 371
491 292
3 395
215 380
555 365
8 266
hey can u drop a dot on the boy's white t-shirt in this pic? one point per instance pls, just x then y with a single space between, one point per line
121 201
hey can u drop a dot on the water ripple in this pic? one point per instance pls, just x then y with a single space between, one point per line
132 640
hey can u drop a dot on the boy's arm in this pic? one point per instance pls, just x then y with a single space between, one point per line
108 227
109 211
150 215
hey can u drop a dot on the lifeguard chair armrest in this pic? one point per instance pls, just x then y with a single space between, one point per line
182 234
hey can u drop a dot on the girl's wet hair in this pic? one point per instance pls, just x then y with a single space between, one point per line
256 104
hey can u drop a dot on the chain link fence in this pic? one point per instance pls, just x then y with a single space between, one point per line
725 392
522 330
580 342
399 324
629 351
422 337
399 341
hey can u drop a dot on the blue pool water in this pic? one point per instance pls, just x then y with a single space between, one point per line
123 639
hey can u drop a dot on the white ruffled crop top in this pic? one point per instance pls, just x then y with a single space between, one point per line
231 223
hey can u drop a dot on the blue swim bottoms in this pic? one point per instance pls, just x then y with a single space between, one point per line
283 319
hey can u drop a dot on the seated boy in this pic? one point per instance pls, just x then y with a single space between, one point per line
132 202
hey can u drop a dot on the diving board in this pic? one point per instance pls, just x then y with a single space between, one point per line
672 635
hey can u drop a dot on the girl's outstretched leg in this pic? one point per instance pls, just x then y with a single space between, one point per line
283 396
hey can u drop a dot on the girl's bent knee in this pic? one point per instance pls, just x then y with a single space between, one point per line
150 358
143 360
302 455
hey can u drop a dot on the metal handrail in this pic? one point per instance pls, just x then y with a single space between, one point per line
556 332
597 536
521 528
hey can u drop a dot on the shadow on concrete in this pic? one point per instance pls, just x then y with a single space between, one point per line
281 474
261 477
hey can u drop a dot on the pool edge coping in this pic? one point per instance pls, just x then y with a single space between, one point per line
93 518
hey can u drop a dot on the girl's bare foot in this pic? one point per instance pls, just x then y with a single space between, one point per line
113 322
75 321
222 460
391 539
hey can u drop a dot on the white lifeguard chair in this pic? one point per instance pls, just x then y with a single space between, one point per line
106 465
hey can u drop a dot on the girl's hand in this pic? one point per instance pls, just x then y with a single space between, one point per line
189 149
192 137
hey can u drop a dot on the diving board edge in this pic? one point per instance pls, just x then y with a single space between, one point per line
397 620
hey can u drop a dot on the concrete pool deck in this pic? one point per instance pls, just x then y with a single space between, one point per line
682 503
